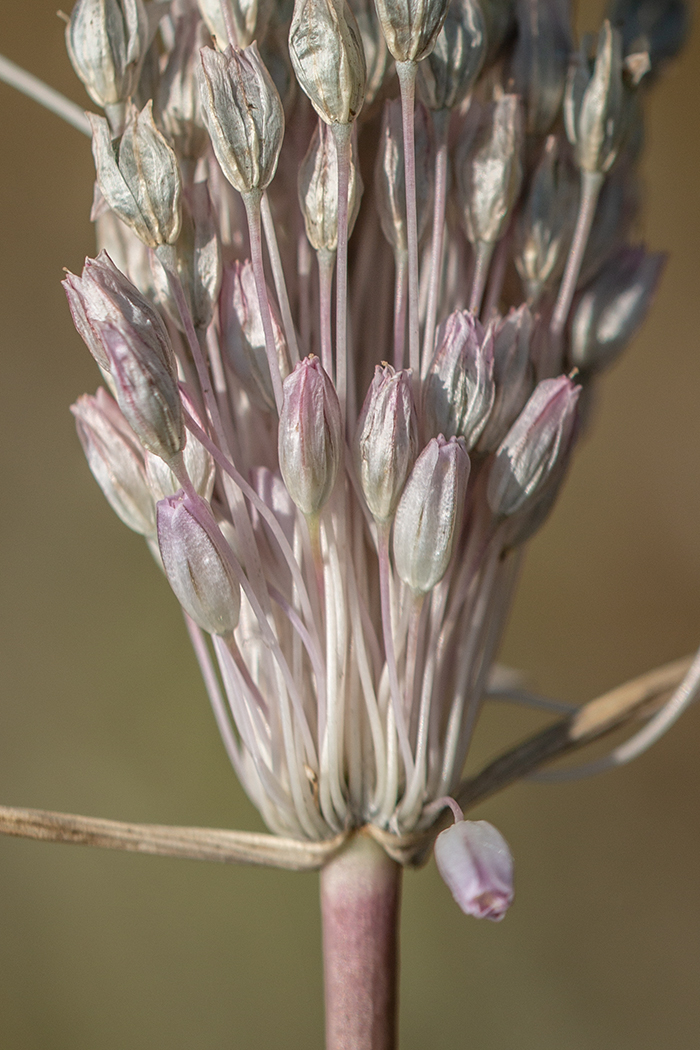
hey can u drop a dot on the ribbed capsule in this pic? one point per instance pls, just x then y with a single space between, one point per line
386 442
411 27
474 860
318 190
139 176
430 512
389 175
243 112
447 75
458 392
328 57
107 41
597 104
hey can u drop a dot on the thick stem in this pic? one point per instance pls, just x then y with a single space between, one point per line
407 82
360 901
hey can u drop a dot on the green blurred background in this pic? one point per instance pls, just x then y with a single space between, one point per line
102 710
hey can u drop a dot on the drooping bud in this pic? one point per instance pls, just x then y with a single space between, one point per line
318 190
459 390
197 563
386 442
115 459
489 176
596 104
389 175
328 57
107 41
243 112
411 27
546 222
538 441
541 59
512 374
429 513
139 176
612 308
447 75
179 104
310 436
376 52
476 863
198 463
243 336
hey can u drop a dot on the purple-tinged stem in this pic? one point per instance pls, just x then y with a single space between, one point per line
304 259
229 23
400 289
591 183
441 123
389 648
326 262
407 82
278 277
360 903
342 134
252 208
483 254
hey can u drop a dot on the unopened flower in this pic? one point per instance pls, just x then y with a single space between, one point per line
387 440
411 27
459 389
595 104
107 42
325 46
476 863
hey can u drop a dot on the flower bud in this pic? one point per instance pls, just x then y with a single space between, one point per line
328 57
387 440
489 177
243 112
374 44
537 442
318 190
198 463
541 59
411 27
512 374
612 308
115 459
310 436
429 513
447 75
139 176
596 104
389 175
458 392
107 41
476 863
243 336
197 563
179 103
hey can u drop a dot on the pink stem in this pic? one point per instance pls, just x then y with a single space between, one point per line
326 262
342 135
400 311
407 83
360 902
252 207
278 277
591 183
484 252
441 123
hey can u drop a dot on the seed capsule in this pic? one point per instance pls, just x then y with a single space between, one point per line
389 175
107 41
387 440
459 390
318 190
411 27
596 104
328 57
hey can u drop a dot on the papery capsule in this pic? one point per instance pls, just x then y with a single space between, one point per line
386 443
596 104
448 74
116 460
536 443
310 435
179 105
328 57
243 112
541 59
389 175
611 309
411 27
458 391
512 374
318 190
474 860
198 464
139 176
107 41
197 563
429 513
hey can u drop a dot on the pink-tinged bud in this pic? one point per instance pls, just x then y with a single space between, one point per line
537 442
386 440
310 435
512 374
147 393
476 863
429 513
197 462
115 459
459 390
102 296
197 562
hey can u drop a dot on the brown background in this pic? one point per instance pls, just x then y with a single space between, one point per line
102 710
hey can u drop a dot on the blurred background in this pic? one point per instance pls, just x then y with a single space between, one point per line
102 710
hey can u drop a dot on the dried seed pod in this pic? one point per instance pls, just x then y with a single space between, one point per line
411 27
447 75
474 860
458 392
107 41
389 175
597 104
328 57
318 190
386 442
179 107
541 59
243 112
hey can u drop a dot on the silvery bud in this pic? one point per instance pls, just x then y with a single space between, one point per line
197 562
243 336
310 436
447 75
596 104
541 59
139 176
476 863
386 442
198 463
328 57
147 392
374 44
243 112
389 175
512 374
458 392
179 103
429 513
546 223
489 177
612 308
411 27
107 41
115 459
318 190
538 441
